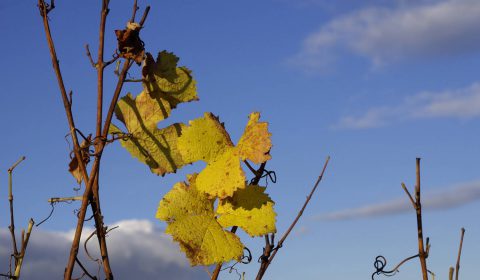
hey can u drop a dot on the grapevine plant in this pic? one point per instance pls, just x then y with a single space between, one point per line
202 212
188 208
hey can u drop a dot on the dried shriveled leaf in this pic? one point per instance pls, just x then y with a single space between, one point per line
73 166
129 43
191 222
74 169
255 142
250 209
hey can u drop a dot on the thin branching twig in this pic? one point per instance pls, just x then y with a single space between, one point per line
423 248
18 255
462 233
266 261
90 195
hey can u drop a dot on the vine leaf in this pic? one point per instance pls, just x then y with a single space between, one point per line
163 91
73 166
250 209
142 112
156 147
191 221
255 142
163 78
206 139
222 176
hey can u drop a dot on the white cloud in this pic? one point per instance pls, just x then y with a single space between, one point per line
137 250
383 35
448 198
461 103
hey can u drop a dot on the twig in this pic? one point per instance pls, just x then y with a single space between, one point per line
409 195
450 273
25 239
134 80
64 199
89 55
144 17
44 9
381 262
86 248
250 167
135 9
89 180
84 269
10 170
10 200
114 58
422 255
459 253
266 263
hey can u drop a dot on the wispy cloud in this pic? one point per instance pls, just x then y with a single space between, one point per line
459 103
456 196
137 250
384 35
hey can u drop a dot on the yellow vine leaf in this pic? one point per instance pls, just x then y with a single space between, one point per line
155 147
250 209
206 139
255 142
165 86
191 221
222 176
163 77
182 200
142 112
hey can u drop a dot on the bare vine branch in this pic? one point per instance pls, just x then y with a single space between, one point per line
459 253
91 181
10 200
18 255
422 254
267 261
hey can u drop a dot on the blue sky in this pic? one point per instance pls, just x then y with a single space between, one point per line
374 84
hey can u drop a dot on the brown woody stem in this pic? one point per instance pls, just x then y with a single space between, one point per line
267 261
459 253
10 200
422 255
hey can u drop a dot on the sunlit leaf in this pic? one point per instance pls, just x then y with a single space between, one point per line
250 209
204 139
255 142
191 222
184 199
222 176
